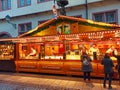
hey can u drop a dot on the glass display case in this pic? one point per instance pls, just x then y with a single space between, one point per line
7 51
29 51
54 50
72 50
48 50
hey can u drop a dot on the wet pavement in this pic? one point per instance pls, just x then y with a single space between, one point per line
28 81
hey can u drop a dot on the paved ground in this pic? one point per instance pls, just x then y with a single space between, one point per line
26 81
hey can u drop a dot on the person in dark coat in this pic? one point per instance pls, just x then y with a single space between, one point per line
108 70
86 66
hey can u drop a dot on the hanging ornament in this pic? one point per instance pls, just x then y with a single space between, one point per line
55 11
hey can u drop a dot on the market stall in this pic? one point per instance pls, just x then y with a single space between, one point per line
55 46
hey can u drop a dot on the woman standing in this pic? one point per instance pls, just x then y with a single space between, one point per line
108 70
86 66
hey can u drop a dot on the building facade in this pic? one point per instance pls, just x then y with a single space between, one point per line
19 16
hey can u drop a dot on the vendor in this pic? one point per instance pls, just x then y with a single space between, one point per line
53 52
94 52
83 50
112 51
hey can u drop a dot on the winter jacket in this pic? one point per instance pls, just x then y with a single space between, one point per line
86 68
108 65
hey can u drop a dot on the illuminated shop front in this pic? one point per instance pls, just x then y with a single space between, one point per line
55 46
7 51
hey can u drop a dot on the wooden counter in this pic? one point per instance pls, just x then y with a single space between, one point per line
65 67
52 66
7 65
27 66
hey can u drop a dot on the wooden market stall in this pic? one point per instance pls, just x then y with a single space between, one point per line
54 46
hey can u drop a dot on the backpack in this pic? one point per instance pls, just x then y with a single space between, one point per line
86 62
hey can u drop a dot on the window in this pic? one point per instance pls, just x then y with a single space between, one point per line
99 17
23 3
5 5
24 28
109 17
40 1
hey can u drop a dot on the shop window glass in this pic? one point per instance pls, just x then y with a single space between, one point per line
63 29
59 29
5 5
66 29
54 50
72 50
7 51
29 51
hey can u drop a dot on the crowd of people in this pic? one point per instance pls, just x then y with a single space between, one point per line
109 67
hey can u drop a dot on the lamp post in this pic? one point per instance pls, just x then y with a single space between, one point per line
62 4
86 5
7 18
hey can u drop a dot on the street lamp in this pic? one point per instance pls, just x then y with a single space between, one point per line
86 6
62 4
7 18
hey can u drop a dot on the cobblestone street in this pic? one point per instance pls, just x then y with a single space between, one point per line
25 81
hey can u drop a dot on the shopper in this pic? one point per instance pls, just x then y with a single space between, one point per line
86 66
108 70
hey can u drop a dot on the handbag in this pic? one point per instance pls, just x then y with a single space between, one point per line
115 75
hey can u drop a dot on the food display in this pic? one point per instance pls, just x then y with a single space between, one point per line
7 51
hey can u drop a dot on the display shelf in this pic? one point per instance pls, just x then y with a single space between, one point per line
7 51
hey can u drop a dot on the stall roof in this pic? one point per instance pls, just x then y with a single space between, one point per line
70 19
